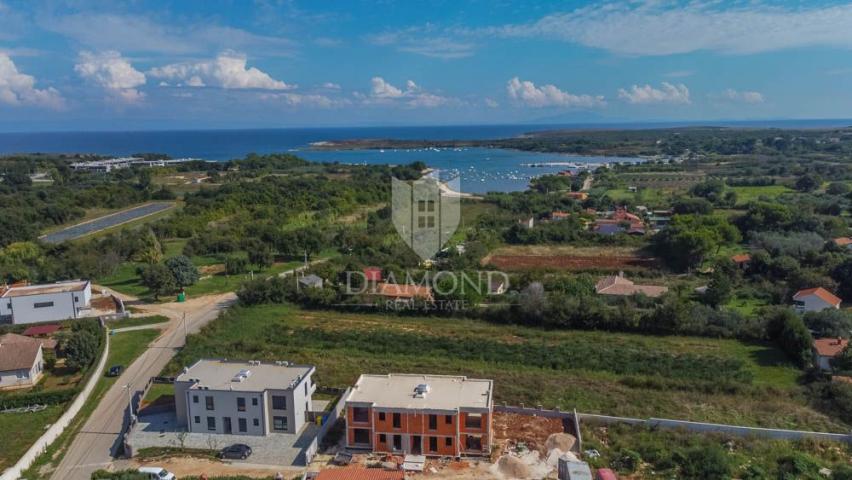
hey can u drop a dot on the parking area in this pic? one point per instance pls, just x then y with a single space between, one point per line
280 449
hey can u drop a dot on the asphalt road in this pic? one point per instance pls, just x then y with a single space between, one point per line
93 446
106 221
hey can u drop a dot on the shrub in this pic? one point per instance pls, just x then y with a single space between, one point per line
706 462
182 270
235 265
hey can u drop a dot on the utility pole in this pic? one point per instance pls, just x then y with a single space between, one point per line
129 400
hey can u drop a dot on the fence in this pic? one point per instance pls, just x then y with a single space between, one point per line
327 425
52 433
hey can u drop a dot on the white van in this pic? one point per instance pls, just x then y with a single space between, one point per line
157 473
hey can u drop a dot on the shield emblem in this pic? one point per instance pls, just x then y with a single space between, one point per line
425 212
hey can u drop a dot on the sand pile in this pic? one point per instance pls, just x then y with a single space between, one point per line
512 467
561 441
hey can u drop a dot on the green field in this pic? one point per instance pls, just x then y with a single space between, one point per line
19 430
596 372
748 194
644 196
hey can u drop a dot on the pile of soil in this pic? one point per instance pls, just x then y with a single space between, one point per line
512 467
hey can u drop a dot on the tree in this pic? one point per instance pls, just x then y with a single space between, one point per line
81 348
261 256
688 239
183 271
842 274
807 183
159 279
719 289
235 265
837 188
788 330
708 463
843 361
150 251
829 323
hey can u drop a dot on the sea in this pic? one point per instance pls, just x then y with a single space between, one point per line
479 169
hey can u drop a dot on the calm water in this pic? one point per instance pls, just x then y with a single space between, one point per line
480 169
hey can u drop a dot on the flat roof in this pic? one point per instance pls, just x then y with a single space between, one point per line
218 374
60 287
446 392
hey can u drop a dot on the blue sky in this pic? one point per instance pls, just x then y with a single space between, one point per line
89 65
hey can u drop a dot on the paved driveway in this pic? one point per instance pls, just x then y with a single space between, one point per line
280 449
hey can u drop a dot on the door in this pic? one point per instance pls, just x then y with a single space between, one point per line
226 424
416 445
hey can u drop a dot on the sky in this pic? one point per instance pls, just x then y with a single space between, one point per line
98 65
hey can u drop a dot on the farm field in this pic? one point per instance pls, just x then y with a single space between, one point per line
517 258
701 379
749 194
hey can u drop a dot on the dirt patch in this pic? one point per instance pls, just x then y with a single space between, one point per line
212 269
187 466
511 429
569 262
103 303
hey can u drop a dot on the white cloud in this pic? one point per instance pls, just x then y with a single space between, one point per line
382 92
422 40
306 100
17 88
668 27
112 72
331 86
138 33
228 70
645 94
527 93
491 103
741 96
679 74
379 88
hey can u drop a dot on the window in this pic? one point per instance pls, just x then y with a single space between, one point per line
360 415
448 441
241 404
426 214
279 402
255 422
208 403
448 419
306 387
397 442
383 438
197 419
474 443
195 399
76 298
279 423
381 416
361 436
433 422
243 426
473 420
211 423
397 420
42 304
254 402
433 444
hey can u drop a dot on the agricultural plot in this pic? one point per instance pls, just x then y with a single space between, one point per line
749 194
724 381
568 258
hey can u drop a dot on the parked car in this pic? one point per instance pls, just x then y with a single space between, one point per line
236 451
115 370
157 473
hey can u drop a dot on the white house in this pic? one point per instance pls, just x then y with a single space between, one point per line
827 348
21 361
45 303
815 300
244 398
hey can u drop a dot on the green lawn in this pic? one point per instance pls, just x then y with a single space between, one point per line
611 373
644 196
137 321
19 430
745 305
748 194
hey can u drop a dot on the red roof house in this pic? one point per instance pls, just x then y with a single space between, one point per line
815 300
373 274
827 348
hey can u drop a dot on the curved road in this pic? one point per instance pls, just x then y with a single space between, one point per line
91 449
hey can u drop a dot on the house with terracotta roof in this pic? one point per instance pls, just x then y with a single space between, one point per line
21 361
827 348
620 286
845 242
404 292
577 195
815 300
373 274
559 215
741 260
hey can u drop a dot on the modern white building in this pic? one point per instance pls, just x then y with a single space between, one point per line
815 300
45 303
244 398
21 361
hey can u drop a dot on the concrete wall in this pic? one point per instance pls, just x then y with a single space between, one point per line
25 377
52 433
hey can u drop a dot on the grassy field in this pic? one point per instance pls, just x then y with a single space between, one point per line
123 349
621 374
663 454
19 430
644 196
748 194
137 321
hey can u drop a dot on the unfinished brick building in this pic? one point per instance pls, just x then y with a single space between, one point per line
433 415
